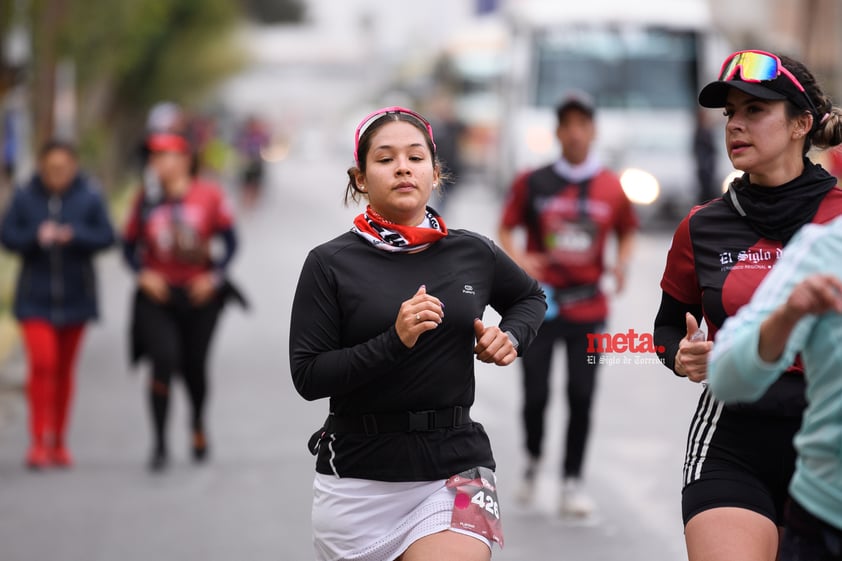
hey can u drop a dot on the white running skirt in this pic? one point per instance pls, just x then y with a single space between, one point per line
365 520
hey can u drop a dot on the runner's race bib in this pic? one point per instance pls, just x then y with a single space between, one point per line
570 242
476 507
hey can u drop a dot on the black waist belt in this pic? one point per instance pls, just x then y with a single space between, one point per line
410 421
569 295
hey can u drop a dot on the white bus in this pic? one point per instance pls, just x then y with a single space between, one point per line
643 63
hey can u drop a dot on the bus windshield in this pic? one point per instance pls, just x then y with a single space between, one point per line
620 68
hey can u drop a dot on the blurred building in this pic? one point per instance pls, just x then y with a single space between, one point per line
810 30
314 79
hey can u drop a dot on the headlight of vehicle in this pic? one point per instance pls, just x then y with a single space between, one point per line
641 187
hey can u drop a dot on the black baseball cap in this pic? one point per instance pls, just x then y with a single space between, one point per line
578 100
768 78
716 93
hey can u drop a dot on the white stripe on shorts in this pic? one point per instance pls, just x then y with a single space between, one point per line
702 430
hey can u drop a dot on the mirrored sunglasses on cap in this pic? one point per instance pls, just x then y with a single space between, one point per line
371 117
759 66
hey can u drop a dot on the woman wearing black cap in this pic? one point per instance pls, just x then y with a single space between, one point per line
181 286
740 457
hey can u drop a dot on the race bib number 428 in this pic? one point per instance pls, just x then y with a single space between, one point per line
476 507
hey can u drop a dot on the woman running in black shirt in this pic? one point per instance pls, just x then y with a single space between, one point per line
385 323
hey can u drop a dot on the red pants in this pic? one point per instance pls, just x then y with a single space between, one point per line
52 356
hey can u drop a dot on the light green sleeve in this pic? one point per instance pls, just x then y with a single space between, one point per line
735 370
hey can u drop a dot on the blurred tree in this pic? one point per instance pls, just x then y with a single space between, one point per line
127 56
274 11
5 16
10 71
5 24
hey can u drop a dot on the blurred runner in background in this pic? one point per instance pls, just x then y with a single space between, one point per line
704 152
449 132
251 141
56 223
568 209
10 142
181 284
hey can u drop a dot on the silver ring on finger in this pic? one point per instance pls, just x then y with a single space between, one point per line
418 317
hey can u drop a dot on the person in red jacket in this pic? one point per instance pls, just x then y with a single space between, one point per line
56 223
181 285
568 209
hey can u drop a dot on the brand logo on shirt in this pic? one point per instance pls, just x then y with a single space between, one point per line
468 289
754 258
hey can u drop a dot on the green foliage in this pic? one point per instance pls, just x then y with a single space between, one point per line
7 75
5 16
149 49
132 54
9 265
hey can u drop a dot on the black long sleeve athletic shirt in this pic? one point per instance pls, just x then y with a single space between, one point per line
343 345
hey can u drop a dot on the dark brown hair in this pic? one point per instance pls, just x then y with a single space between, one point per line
827 125
56 145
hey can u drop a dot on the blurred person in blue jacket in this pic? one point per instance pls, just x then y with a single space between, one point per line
797 310
56 223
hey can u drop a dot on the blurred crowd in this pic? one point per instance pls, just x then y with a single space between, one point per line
228 150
